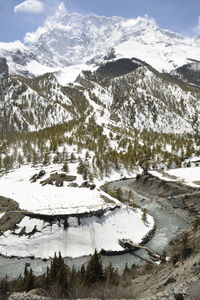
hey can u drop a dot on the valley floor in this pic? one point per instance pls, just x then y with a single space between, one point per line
180 276
74 220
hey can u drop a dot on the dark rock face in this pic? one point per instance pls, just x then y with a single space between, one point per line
37 176
22 58
7 204
110 55
87 184
18 58
3 68
116 68
58 179
189 73
179 296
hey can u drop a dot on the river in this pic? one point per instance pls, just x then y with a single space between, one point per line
168 226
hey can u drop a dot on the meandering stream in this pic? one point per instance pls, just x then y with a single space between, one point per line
168 226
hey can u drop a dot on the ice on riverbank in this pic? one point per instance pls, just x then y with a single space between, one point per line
76 236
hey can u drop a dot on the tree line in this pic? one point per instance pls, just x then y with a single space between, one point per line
62 281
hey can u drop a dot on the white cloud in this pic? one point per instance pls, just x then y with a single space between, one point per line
30 6
51 22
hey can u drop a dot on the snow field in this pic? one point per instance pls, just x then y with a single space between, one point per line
49 199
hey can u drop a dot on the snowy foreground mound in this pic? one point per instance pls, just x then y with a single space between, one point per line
63 223
81 236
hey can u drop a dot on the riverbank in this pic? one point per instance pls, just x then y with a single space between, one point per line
169 222
169 225
176 279
75 236
180 199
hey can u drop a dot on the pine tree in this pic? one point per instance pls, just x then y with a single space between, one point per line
65 167
130 195
4 288
29 281
25 270
82 273
111 275
46 160
119 194
94 270
72 158
47 277
87 155
58 273
144 215
80 168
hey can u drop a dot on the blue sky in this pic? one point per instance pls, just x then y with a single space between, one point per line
20 16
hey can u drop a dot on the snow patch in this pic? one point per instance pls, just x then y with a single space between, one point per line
188 176
38 69
69 74
2 214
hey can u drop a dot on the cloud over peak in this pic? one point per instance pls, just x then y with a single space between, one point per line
30 6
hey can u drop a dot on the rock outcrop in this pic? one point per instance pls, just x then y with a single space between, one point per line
3 68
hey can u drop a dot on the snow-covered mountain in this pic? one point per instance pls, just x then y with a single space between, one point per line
138 95
67 39
73 39
21 60
123 80
126 92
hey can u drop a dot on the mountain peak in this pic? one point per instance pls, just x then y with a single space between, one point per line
61 10
67 39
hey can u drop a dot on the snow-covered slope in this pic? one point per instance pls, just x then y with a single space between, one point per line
49 199
189 72
189 176
126 91
29 105
137 95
